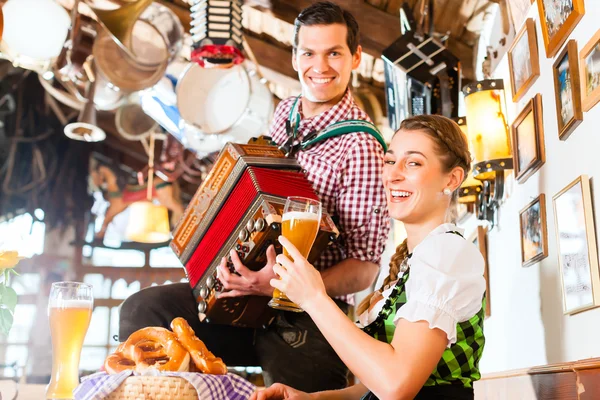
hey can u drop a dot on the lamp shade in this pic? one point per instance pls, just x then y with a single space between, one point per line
34 32
487 128
471 187
148 223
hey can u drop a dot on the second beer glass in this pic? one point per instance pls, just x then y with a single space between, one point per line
70 311
300 225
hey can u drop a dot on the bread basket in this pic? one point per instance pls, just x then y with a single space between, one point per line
155 388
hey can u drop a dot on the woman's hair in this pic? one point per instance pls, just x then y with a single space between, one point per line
453 150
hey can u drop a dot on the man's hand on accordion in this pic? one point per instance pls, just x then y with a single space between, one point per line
248 282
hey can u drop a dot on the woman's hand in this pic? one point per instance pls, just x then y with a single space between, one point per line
299 280
279 391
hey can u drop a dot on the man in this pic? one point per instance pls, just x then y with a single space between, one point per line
346 174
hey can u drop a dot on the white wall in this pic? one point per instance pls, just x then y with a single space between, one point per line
527 326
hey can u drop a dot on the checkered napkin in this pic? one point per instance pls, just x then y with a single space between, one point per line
227 387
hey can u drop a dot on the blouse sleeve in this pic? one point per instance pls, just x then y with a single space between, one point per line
446 283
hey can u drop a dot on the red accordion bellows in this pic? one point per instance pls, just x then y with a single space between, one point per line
253 182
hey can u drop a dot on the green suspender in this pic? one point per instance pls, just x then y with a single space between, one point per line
335 129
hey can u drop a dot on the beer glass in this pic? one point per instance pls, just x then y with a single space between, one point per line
69 311
300 225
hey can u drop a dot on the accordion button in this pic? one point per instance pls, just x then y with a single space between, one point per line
204 292
210 282
259 225
244 235
250 226
202 306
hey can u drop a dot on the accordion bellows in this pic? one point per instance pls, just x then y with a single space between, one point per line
239 206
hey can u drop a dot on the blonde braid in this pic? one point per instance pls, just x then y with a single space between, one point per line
395 262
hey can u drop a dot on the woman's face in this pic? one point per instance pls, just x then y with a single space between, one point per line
414 178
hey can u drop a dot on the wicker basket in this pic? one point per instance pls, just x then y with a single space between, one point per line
154 388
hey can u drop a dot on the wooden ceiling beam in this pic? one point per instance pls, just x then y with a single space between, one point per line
379 29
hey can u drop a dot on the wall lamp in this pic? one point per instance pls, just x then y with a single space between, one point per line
490 144
470 189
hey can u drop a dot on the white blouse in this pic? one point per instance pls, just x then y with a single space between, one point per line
446 283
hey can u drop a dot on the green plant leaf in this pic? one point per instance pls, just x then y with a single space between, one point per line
6 321
8 297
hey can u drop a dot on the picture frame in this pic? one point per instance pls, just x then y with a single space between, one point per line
558 19
534 231
589 72
518 10
523 60
576 247
479 239
527 133
567 90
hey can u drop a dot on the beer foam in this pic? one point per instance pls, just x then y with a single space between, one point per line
62 303
300 215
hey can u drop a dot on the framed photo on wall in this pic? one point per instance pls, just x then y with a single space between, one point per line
518 10
589 72
558 19
479 239
567 90
576 245
527 131
534 232
523 60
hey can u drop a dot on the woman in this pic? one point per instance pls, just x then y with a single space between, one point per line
428 316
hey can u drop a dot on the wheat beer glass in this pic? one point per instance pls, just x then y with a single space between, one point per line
69 311
300 225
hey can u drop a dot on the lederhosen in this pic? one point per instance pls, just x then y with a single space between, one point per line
458 368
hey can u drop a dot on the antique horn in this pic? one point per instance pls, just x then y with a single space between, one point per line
119 22
86 129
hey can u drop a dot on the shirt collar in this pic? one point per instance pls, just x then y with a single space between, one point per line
443 228
449 227
336 113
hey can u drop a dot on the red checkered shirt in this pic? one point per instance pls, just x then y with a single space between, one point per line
345 172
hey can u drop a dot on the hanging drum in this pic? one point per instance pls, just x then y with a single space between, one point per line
231 103
160 103
33 39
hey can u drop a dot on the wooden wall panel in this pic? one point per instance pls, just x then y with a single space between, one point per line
578 380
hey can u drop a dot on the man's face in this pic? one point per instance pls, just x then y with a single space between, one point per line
324 61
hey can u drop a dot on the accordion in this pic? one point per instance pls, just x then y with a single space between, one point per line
239 206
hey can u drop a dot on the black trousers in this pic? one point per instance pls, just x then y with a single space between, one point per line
291 350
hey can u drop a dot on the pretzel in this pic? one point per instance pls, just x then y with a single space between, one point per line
151 347
204 360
